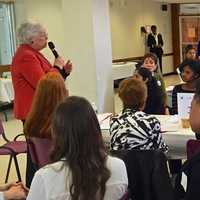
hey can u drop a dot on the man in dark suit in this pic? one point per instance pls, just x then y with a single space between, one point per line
155 43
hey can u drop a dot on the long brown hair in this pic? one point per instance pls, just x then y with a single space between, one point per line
77 139
49 93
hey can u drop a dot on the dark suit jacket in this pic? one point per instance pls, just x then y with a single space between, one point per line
147 174
192 169
152 44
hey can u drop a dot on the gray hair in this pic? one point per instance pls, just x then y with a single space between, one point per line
29 30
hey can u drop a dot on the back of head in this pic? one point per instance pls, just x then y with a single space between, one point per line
145 73
77 137
133 93
49 93
28 30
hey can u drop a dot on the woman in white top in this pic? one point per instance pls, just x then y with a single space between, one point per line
82 170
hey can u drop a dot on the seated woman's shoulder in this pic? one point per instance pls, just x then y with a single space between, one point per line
142 116
112 160
52 168
115 164
178 87
117 168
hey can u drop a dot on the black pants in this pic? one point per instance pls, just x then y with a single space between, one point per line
175 166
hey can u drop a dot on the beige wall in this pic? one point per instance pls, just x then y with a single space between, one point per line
48 13
127 17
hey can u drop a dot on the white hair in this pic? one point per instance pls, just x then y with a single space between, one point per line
29 30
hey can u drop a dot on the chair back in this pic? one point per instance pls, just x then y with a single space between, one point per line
125 196
147 174
1 128
193 147
2 132
39 149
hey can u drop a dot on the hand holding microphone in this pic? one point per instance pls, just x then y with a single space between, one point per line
59 62
68 67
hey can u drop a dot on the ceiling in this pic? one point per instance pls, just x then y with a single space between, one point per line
178 1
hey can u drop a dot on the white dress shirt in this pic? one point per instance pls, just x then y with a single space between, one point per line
52 182
1 196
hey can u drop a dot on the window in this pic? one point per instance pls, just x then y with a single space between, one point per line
7 34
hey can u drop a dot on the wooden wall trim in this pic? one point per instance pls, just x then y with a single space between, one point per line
137 58
192 15
175 10
4 68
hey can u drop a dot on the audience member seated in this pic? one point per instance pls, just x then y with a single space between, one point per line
191 167
81 168
13 191
150 63
134 129
51 90
190 52
190 72
195 111
154 103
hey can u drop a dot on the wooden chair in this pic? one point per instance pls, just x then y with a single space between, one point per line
193 147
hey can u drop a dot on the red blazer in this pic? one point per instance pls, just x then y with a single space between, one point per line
28 66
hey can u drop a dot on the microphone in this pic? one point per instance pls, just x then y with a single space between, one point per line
52 47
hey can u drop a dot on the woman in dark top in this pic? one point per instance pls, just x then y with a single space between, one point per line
154 103
190 72
150 63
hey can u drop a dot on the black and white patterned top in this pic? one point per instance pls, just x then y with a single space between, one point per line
136 130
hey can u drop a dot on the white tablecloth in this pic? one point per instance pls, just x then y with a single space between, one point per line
169 90
174 135
123 70
6 90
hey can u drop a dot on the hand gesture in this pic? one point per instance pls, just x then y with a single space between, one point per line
59 62
68 67
16 191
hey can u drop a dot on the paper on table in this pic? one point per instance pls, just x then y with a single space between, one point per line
184 104
104 120
170 124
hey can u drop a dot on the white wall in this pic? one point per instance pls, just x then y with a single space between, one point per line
127 17
46 12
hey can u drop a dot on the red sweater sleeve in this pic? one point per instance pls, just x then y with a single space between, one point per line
32 70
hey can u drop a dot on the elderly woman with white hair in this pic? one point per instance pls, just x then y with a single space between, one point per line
29 65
